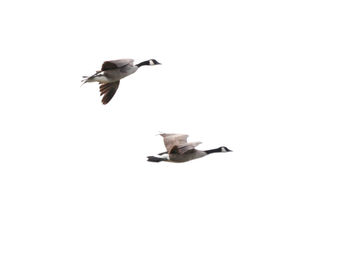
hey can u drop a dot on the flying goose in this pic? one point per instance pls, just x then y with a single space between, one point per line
179 150
110 74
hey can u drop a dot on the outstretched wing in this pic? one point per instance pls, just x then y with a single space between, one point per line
116 64
171 140
177 143
108 91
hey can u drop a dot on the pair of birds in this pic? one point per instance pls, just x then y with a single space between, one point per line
177 147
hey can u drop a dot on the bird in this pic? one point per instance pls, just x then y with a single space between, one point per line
112 72
179 150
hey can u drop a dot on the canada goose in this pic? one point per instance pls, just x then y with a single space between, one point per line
110 74
179 150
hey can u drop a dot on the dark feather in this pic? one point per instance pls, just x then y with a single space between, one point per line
116 64
174 150
183 149
107 65
108 91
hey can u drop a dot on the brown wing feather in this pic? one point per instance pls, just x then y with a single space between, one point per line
108 91
107 65
115 64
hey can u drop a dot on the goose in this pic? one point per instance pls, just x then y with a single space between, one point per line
179 150
110 74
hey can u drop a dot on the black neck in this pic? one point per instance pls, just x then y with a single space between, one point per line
142 63
217 150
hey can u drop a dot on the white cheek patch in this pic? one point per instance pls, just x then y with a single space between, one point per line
223 149
151 62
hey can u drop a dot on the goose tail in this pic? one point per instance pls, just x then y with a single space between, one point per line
84 80
91 78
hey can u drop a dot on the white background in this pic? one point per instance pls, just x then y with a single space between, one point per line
268 79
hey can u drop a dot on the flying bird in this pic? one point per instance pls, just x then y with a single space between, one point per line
111 73
179 150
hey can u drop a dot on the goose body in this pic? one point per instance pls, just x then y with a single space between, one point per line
112 72
179 150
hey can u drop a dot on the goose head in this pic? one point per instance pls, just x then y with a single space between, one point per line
224 149
153 62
